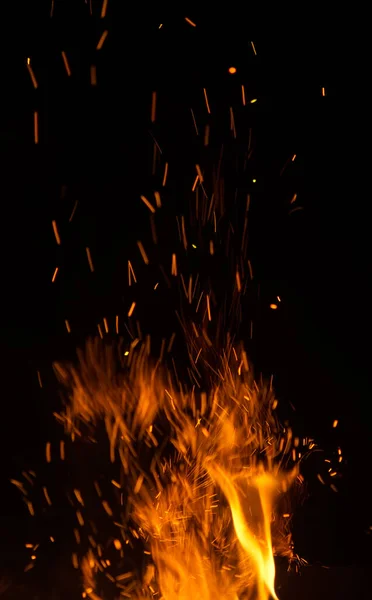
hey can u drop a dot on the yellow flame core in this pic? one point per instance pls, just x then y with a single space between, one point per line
210 512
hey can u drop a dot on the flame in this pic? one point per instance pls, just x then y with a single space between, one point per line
205 473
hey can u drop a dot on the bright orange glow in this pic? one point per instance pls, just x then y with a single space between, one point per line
211 518
232 70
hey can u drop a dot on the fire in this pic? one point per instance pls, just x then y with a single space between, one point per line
205 474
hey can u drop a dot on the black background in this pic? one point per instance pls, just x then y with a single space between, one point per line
94 148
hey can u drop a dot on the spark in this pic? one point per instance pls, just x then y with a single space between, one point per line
80 519
104 9
194 121
200 175
131 310
56 234
273 306
243 95
65 62
67 324
47 497
143 253
232 70
102 40
165 174
148 204
62 450
36 127
48 452
107 508
55 274
190 22
131 274
209 308
335 423
232 122
206 101
254 48
157 199
73 211
79 497
89 257
153 107
32 75
250 269
174 265
238 281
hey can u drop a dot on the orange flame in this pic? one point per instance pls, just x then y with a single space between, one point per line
207 512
